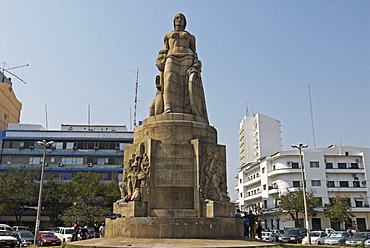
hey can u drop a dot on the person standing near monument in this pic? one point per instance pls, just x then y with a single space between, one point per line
180 72
252 224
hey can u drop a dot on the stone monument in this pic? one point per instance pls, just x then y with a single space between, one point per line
174 183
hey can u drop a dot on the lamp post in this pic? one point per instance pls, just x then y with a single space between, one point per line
45 145
300 146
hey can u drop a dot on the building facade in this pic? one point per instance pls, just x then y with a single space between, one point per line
329 172
76 148
10 107
259 136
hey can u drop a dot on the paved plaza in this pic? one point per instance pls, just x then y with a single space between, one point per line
131 242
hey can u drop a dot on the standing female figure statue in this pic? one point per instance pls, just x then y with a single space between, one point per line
180 80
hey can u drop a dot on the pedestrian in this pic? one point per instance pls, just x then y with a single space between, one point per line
96 230
76 228
102 230
252 224
84 233
246 225
238 214
259 229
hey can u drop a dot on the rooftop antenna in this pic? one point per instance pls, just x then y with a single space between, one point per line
46 116
15 67
313 128
136 89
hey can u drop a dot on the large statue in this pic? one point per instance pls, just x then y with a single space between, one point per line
179 86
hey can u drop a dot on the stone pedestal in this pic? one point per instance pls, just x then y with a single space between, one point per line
175 175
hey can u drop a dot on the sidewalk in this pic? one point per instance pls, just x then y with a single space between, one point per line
130 242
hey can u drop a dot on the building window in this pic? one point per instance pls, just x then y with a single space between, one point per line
295 165
70 145
264 187
263 170
35 160
342 165
240 180
273 167
356 184
296 184
59 145
358 203
316 183
330 184
354 166
343 184
66 175
331 201
314 164
329 165
241 194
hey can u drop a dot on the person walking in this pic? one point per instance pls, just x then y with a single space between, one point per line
96 230
252 224
259 229
246 225
76 229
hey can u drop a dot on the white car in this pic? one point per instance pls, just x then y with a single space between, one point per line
367 243
5 227
6 239
269 236
65 233
317 238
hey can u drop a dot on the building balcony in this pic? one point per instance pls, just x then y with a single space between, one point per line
347 189
256 180
283 171
253 197
344 171
273 191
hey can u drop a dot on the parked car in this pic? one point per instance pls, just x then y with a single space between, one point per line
65 234
5 228
270 236
357 238
293 235
367 243
6 239
336 238
20 228
27 238
317 238
48 238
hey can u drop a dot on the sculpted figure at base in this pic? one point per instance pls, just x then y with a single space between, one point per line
179 78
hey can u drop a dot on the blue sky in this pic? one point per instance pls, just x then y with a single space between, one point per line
260 54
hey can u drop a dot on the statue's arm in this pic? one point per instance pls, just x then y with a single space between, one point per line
192 44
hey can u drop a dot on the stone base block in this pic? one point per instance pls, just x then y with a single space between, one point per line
173 213
219 209
131 209
148 227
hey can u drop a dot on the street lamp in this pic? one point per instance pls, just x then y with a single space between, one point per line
45 145
299 147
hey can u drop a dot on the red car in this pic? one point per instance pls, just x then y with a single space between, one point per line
48 238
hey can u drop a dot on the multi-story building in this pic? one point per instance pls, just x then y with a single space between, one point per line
259 136
10 107
76 148
329 172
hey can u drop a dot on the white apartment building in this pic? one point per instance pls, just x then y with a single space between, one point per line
259 136
332 171
335 170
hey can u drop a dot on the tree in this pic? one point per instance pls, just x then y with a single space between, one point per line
18 191
292 204
53 198
89 199
340 211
